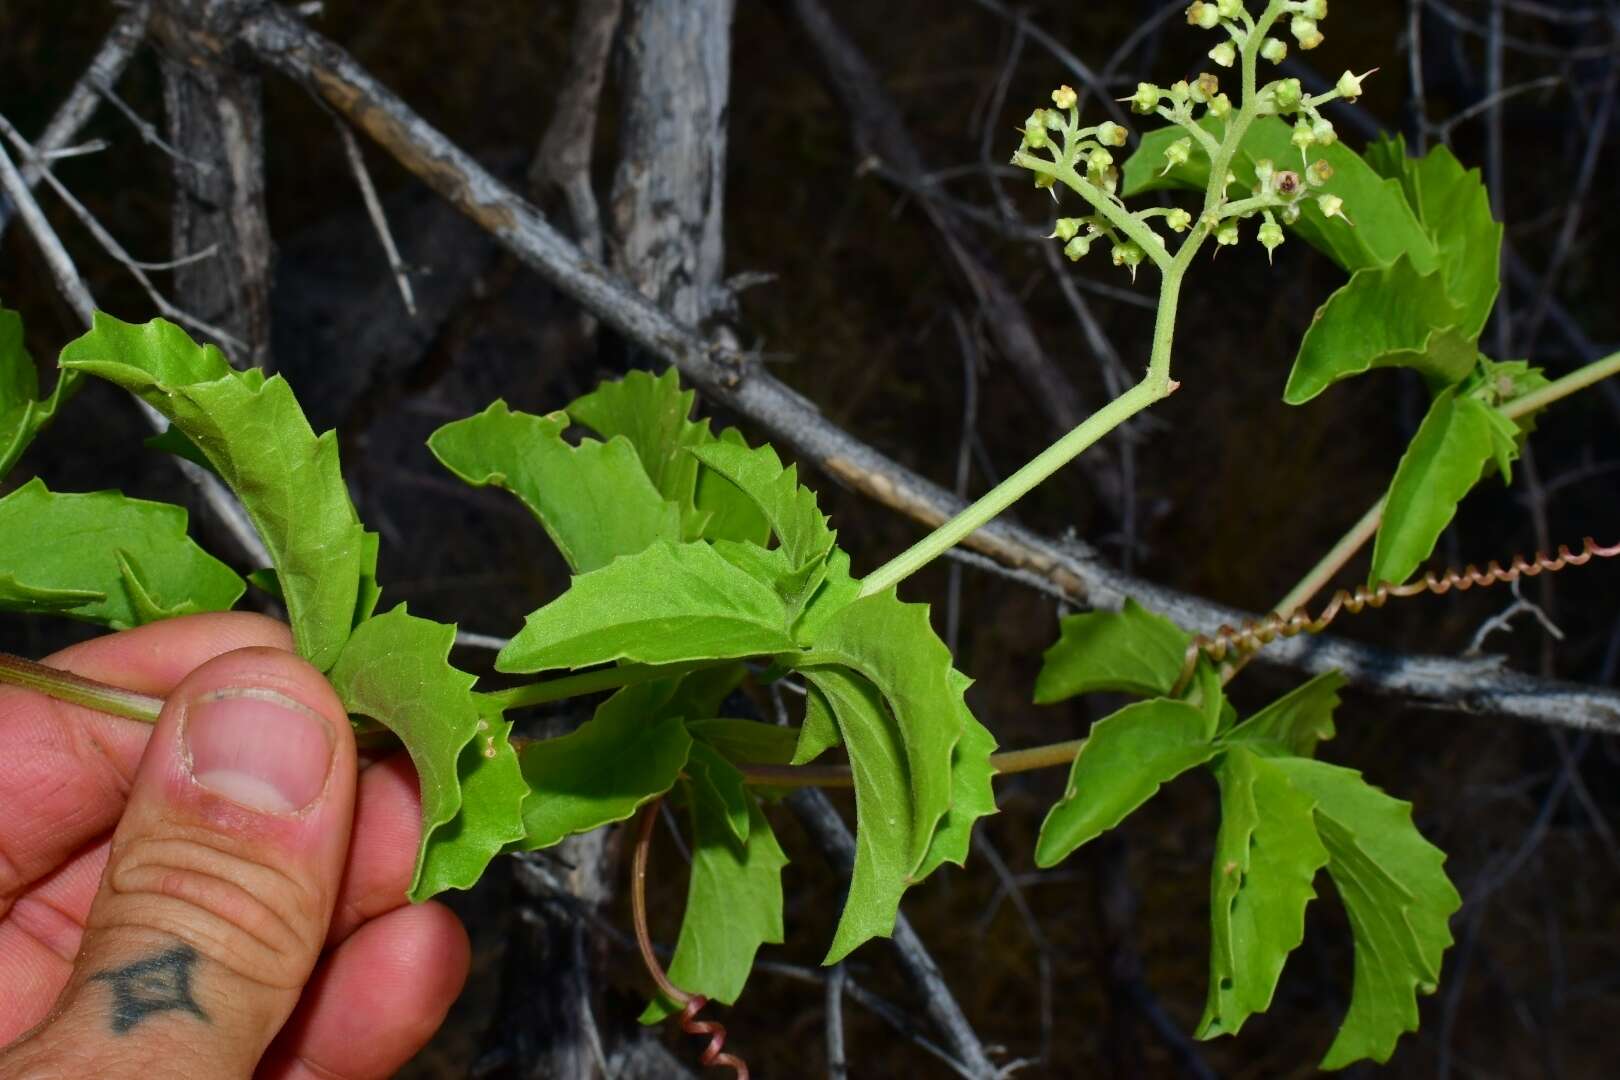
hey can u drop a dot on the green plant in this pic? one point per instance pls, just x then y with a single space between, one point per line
696 555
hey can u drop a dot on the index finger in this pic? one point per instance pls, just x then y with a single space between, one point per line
66 769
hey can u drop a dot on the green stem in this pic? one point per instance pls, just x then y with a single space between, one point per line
1579 379
77 690
590 682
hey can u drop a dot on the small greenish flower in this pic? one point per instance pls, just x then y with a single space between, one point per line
1223 54
1287 94
1098 160
1264 170
1205 87
1274 49
1064 97
1270 236
1178 220
1314 9
1319 173
1035 130
1229 9
1322 128
1226 233
1220 106
1077 248
1349 86
1304 136
1129 255
1066 228
1202 15
1177 153
1111 134
1286 183
1331 206
1305 31
1146 98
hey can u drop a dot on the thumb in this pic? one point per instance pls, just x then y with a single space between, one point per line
221 878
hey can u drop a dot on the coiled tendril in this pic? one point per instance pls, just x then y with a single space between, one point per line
1258 633
691 1004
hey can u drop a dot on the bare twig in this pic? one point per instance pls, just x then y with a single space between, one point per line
379 220
1480 686
837 1067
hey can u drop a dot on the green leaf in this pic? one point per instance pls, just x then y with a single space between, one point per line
701 694
1130 651
972 794
837 591
1390 316
722 782
594 500
732 515
19 386
733 904
629 752
171 440
663 605
105 558
491 817
1394 887
1385 225
884 834
1295 722
396 669
893 646
255 436
789 507
1266 856
819 732
1455 209
1441 464
1126 758
751 742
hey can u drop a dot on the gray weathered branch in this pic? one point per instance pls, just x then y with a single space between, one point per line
1479 686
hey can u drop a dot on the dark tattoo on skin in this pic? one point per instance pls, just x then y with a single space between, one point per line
159 984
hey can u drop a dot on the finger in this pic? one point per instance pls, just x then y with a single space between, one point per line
66 770
40 938
376 1000
221 877
382 850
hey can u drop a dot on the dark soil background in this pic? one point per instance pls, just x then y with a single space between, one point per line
1237 495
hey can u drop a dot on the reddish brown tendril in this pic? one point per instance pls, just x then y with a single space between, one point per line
691 1004
1257 633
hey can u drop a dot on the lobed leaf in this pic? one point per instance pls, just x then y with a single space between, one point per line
1126 758
1441 464
732 515
256 438
1267 854
594 500
1383 317
752 742
1394 887
666 604
819 731
788 506
1130 651
105 558
733 903
972 794
491 816
395 668
1296 722
630 751
723 782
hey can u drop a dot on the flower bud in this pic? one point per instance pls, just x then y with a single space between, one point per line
1065 228
1305 32
1044 180
1229 9
1035 130
1264 170
1064 97
1202 15
1220 106
1322 128
1129 254
1077 247
1111 134
1319 173
1226 233
1287 94
1315 9
1270 237
1146 98
1098 160
1178 220
1223 54
1349 86
1290 213
1177 153
1274 49
1331 206
1303 135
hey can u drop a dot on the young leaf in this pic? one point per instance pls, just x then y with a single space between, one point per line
259 443
105 558
1442 462
751 742
972 794
395 668
1386 226
491 817
629 752
1126 758
1384 317
653 414
1266 856
884 833
1394 887
663 605
790 508
893 646
819 732
733 904
723 785
594 500
732 515
1132 651
1295 722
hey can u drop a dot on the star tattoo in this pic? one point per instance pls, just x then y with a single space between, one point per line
159 984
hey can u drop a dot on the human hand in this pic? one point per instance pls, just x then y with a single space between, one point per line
221 895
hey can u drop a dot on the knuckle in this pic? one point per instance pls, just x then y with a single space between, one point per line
255 919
